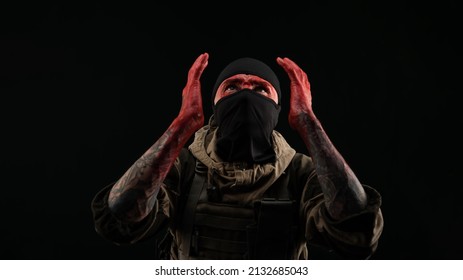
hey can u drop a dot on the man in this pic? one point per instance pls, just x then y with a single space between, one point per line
239 191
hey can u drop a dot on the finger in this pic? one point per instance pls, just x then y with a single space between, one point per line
289 66
202 61
198 66
282 63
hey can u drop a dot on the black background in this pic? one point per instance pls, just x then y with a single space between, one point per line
86 88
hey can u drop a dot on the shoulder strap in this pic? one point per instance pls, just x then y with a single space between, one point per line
187 221
164 237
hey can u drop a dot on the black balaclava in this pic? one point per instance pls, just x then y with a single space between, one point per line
246 119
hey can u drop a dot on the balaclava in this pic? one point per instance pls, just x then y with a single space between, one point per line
246 119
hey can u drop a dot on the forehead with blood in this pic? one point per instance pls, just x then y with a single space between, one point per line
246 81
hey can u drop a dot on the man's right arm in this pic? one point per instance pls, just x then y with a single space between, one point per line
133 196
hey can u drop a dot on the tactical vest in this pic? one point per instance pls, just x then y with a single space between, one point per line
264 229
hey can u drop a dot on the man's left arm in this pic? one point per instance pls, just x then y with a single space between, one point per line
344 194
347 214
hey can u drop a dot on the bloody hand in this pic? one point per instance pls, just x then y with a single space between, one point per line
192 106
301 96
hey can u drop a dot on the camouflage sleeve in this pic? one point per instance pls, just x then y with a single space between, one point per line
353 237
111 228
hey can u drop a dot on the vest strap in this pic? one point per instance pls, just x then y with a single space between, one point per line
186 227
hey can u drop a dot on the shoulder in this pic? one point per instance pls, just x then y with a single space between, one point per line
300 171
301 162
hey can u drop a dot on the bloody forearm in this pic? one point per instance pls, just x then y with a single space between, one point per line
134 194
343 192
344 195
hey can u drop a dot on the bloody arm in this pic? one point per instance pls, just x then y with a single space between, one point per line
133 196
344 194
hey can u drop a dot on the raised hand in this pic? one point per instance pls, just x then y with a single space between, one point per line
301 96
192 105
133 196
344 194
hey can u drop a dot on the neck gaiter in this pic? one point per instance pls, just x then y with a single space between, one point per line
246 120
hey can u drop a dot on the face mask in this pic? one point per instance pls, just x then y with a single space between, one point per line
246 120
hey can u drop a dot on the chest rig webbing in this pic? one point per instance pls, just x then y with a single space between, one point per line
211 229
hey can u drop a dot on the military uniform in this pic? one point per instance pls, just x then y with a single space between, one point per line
225 220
